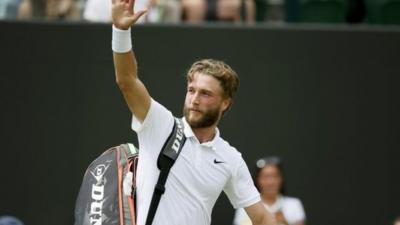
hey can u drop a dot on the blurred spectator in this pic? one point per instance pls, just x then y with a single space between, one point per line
168 11
9 9
270 182
49 9
9 220
97 11
218 10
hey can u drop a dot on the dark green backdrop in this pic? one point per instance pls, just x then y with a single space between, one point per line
326 99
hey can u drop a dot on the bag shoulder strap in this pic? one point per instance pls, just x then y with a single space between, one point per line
168 155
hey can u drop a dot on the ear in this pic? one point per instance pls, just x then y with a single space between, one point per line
226 103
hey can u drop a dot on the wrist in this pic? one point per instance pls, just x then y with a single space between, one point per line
119 27
121 40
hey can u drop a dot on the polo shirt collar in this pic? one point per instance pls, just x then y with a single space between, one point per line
189 133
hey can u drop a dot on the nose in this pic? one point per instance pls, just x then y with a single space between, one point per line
195 98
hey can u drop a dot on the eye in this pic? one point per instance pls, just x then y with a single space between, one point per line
190 90
206 93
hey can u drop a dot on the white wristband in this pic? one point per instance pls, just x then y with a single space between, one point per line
121 40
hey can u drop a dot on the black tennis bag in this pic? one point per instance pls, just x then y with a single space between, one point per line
107 193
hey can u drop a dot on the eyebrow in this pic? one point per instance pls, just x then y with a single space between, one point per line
200 89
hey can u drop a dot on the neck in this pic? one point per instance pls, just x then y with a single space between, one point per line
205 134
269 199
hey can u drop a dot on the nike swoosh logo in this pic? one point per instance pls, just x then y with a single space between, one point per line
216 162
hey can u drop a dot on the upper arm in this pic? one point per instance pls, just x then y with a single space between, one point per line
259 215
134 91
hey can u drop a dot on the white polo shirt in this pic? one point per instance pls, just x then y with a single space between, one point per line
195 181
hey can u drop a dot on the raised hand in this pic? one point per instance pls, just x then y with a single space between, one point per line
123 15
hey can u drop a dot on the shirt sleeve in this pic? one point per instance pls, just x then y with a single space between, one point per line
155 129
240 188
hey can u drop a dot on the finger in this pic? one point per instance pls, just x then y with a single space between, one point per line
137 15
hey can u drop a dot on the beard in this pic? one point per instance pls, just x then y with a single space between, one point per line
207 119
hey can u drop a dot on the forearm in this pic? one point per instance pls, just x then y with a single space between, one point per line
124 59
259 215
125 67
133 90
267 219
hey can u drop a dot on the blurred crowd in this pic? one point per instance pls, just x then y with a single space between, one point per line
169 11
196 11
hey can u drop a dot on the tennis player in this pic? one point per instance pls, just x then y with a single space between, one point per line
207 164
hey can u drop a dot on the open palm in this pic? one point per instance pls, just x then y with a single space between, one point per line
123 14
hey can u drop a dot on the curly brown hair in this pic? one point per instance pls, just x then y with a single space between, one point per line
226 76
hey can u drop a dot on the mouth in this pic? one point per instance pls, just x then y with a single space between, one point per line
195 110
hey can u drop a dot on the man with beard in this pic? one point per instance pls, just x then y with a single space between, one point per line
207 164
